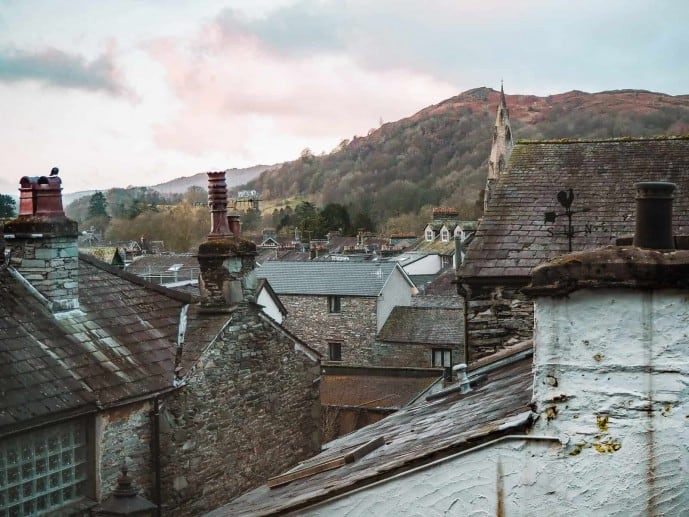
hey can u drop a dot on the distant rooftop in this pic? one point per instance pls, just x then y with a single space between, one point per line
327 278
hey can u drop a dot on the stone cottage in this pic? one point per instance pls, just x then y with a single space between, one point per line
421 336
338 307
99 367
593 423
526 223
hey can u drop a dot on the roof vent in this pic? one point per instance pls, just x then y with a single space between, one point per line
654 215
459 371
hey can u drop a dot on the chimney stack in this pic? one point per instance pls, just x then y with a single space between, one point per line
654 215
43 242
226 260
234 221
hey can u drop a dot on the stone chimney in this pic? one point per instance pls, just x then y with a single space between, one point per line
611 370
43 242
226 260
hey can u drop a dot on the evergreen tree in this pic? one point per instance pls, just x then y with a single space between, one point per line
8 206
98 205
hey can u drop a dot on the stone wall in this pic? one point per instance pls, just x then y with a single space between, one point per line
405 355
496 317
354 326
124 435
250 410
51 265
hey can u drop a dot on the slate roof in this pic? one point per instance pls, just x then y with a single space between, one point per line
328 278
265 255
380 388
120 345
413 436
443 284
423 325
165 264
513 238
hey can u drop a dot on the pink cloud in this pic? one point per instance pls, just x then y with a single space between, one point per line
230 86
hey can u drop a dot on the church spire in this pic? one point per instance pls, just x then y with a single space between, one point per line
502 145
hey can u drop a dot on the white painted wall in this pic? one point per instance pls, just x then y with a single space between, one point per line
611 381
428 265
396 291
623 355
270 308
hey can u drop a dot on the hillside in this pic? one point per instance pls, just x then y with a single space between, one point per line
235 177
439 155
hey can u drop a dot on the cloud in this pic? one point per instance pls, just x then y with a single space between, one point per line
234 89
59 69
474 43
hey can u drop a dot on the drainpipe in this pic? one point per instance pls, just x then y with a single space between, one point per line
157 496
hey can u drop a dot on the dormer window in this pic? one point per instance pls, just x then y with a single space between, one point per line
429 234
459 233
444 235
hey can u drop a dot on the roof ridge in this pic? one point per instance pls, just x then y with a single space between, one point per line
601 140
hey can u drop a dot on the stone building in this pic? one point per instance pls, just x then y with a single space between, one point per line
525 224
98 366
590 421
338 307
422 337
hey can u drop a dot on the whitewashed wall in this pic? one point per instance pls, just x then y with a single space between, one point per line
270 308
611 381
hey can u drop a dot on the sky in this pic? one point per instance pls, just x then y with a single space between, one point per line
138 92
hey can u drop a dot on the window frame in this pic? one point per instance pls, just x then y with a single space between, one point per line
445 358
335 351
334 304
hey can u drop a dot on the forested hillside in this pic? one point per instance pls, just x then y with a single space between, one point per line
439 155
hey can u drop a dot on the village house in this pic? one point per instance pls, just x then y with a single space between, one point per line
526 223
591 420
421 336
98 368
338 307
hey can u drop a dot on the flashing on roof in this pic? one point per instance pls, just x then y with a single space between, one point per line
330 464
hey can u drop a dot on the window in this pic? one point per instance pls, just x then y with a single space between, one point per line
333 304
429 235
441 357
44 470
335 351
444 235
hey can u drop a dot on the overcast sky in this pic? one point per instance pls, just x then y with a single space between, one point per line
135 92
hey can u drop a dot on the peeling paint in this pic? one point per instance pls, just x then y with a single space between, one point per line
602 422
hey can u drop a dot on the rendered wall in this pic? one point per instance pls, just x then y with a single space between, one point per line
611 387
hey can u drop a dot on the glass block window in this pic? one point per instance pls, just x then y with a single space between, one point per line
43 470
